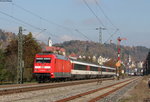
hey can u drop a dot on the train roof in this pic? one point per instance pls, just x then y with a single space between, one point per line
89 64
45 53
57 56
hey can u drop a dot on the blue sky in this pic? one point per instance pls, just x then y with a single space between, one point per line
131 17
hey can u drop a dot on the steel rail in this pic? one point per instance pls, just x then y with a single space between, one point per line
96 90
47 86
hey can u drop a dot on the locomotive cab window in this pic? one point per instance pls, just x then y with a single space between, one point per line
43 60
39 60
46 60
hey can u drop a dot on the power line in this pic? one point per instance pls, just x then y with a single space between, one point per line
35 36
8 20
117 29
25 23
93 13
82 34
66 28
21 21
42 18
111 36
105 14
96 16
99 19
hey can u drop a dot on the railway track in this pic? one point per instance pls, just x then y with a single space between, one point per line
33 87
97 94
17 85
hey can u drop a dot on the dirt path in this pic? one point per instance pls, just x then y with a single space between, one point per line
139 93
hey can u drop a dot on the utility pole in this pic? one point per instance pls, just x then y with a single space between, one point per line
100 42
20 61
100 33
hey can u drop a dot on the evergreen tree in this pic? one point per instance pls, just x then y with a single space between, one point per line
30 48
3 74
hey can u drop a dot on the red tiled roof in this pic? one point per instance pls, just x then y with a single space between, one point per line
47 48
72 55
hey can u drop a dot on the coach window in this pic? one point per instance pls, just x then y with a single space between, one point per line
93 68
39 60
103 69
79 67
47 60
113 70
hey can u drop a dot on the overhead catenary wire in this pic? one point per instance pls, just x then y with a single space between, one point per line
105 14
117 29
35 35
42 18
20 20
98 19
82 34
26 29
23 22
66 28
111 36
8 20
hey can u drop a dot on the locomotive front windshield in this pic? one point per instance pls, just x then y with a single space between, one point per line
43 60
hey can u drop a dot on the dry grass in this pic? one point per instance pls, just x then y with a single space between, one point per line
139 93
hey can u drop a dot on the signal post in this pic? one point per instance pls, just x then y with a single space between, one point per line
118 64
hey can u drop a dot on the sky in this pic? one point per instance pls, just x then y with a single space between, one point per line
65 20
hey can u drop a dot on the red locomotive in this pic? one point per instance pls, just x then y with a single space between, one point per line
48 66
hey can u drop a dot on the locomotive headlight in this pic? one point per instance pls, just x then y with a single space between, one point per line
37 66
47 67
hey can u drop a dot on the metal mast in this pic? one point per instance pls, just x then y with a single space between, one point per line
100 42
100 33
20 61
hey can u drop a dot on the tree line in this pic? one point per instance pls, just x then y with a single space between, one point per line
8 59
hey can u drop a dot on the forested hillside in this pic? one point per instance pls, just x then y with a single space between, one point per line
137 53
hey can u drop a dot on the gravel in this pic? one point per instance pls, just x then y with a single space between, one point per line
51 95
116 96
